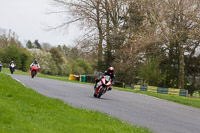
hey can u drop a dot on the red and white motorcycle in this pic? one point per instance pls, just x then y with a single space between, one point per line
34 70
102 86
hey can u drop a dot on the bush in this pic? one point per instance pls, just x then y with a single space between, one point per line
150 72
65 69
81 66
20 56
54 63
48 65
87 67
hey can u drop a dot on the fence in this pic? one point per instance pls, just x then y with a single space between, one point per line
91 79
170 91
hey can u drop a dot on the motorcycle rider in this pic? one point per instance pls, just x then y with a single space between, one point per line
109 72
35 63
0 66
11 66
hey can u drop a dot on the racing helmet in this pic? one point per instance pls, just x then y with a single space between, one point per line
110 70
36 62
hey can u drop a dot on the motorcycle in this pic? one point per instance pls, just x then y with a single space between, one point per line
0 68
102 86
34 70
12 68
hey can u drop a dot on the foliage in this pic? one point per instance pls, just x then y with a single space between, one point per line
85 65
50 64
81 66
47 65
29 44
192 70
69 51
8 37
61 63
20 56
76 69
56 56
150 72
37 44
26 58
46 46
124 33
65 69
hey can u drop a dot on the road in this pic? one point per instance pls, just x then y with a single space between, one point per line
158 115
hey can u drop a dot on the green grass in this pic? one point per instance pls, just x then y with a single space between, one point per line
66 78
178 99
196 94
194 102
6 70
23 110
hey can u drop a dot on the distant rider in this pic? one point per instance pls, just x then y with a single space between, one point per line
12 65
35 63
0 66
109 72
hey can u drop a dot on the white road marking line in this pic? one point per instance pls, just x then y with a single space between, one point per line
18 81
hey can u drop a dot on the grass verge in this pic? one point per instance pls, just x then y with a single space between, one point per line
66 78
23 110
182 100
178 99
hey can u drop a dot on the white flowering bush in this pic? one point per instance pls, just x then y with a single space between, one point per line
48 65
65 68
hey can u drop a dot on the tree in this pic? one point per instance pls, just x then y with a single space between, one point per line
57 56
177 24
8 37
89 14
21 57
192 73
127 33
150 72
26 59
37 44
29 44
85 65
46 46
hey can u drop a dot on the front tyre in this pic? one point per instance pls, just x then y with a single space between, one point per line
100 92
95 95
33 74
11 71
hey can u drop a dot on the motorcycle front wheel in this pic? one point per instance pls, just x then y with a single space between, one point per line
100 92
95 95
33 74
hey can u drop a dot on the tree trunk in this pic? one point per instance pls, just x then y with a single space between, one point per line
99 47
181 67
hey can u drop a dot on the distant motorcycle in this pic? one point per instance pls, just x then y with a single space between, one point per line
0 67
102 86
34 70
12 68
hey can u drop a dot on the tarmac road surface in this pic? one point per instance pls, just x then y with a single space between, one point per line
158 115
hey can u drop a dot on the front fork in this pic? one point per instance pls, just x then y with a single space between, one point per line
99 88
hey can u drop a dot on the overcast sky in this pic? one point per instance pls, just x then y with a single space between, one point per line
28 18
